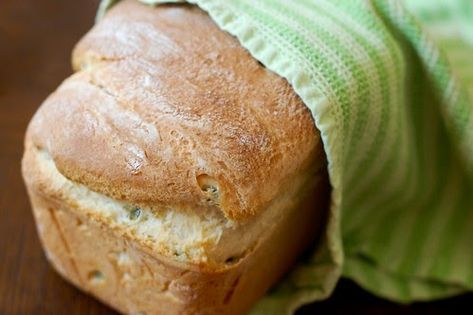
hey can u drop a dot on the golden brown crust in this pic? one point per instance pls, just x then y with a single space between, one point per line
166 106
166 110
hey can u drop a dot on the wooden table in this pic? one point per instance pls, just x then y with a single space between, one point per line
36 38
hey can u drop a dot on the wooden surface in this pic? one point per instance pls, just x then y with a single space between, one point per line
36 37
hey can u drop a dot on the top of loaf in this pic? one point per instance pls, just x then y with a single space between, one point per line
167 110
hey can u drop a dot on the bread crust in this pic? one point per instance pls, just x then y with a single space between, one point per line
166 111
166 108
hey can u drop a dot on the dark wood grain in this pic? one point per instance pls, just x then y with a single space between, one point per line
36 38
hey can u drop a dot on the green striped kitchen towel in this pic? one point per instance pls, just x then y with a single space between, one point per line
389 85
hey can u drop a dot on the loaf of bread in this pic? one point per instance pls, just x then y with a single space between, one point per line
172 173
